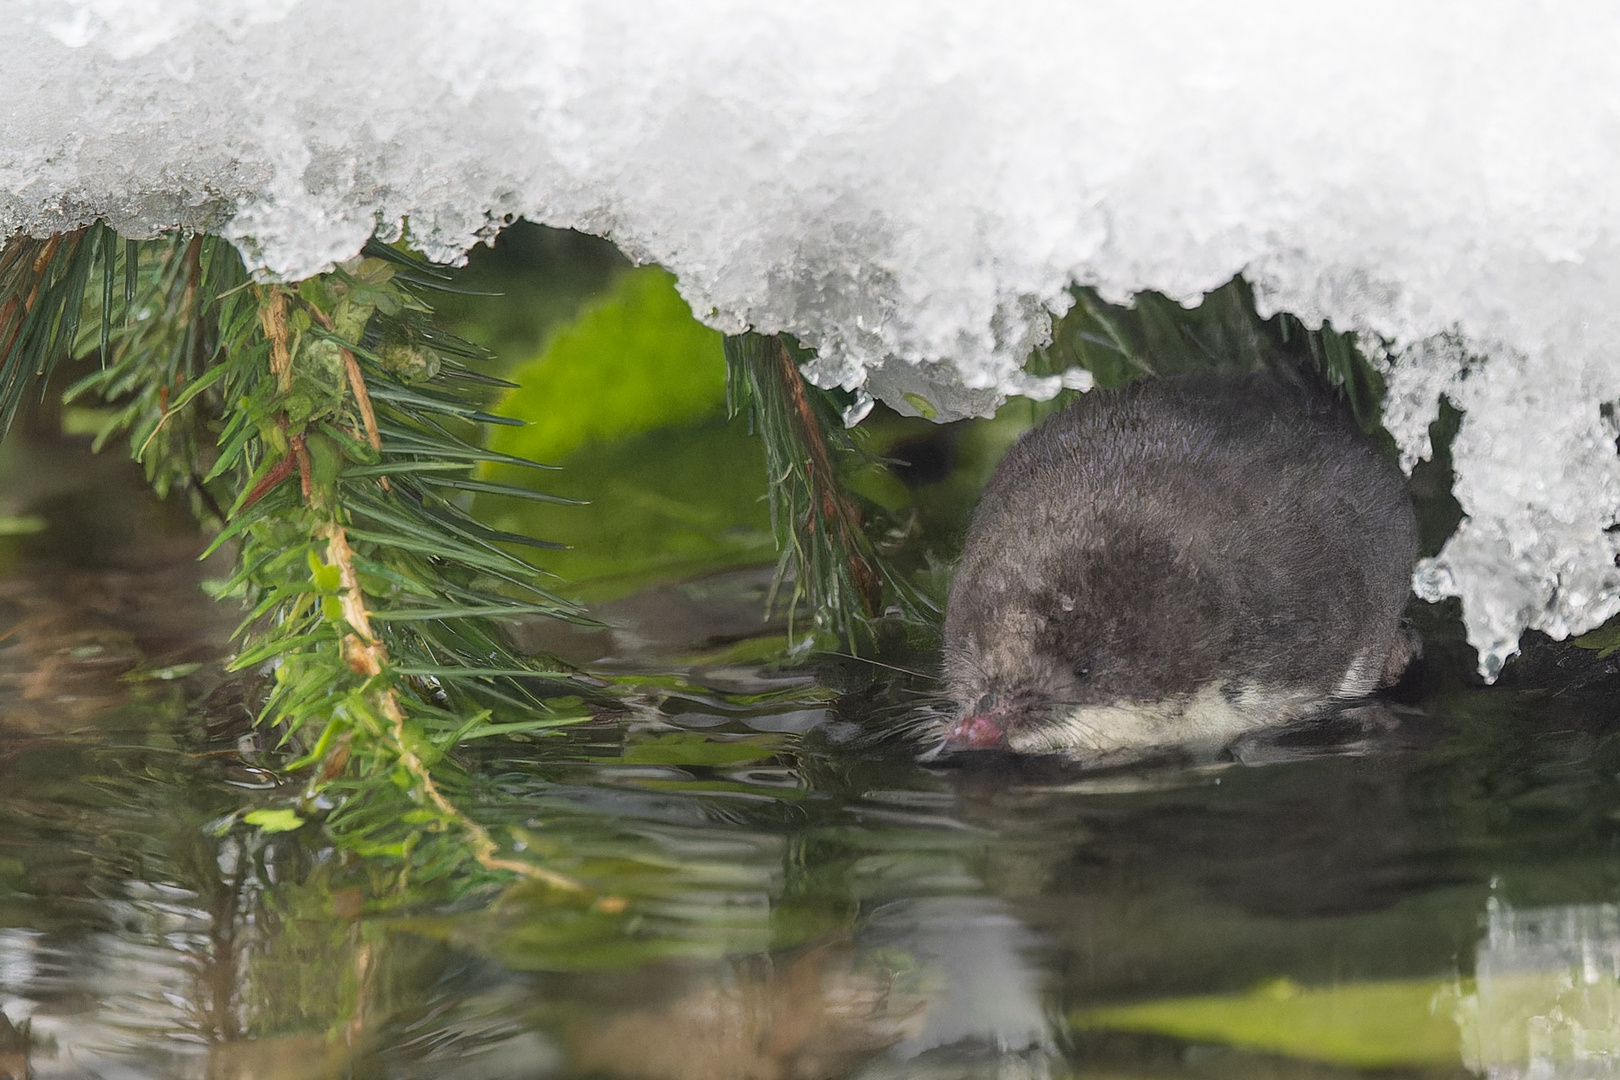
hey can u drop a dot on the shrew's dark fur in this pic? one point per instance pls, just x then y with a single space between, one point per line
1148 543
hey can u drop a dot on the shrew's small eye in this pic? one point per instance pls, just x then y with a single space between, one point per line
1083 671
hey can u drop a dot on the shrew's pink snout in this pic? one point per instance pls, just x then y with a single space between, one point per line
975 732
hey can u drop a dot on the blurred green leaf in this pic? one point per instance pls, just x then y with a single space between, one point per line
162 674
1604 640
635 363
24 525
629 400
1384 1024
274 821
691 748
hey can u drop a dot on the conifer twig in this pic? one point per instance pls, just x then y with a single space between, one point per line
357 382
273 317
216 381
820 528
368 657
827 495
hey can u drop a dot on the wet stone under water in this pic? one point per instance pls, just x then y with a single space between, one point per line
1422 887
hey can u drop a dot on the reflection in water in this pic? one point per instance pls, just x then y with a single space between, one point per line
979 966
812 1015
1547 997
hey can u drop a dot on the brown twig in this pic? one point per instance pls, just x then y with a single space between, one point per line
836 509
42 260
278 472
367 656
306 473
364 653
362 397
10 308
273 318
357 382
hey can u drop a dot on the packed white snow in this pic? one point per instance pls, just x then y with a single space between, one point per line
911 186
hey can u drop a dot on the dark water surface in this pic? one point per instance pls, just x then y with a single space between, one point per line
1425 887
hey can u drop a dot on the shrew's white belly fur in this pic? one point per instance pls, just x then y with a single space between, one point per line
1208 718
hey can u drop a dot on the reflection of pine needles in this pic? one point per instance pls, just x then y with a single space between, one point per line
821 532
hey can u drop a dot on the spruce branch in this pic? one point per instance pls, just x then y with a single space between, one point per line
821 530
370 592
368 657
357 385
42 288
273 318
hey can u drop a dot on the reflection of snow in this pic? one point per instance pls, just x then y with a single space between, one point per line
983 988
110 1004
1547 1002
19 964
910 187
